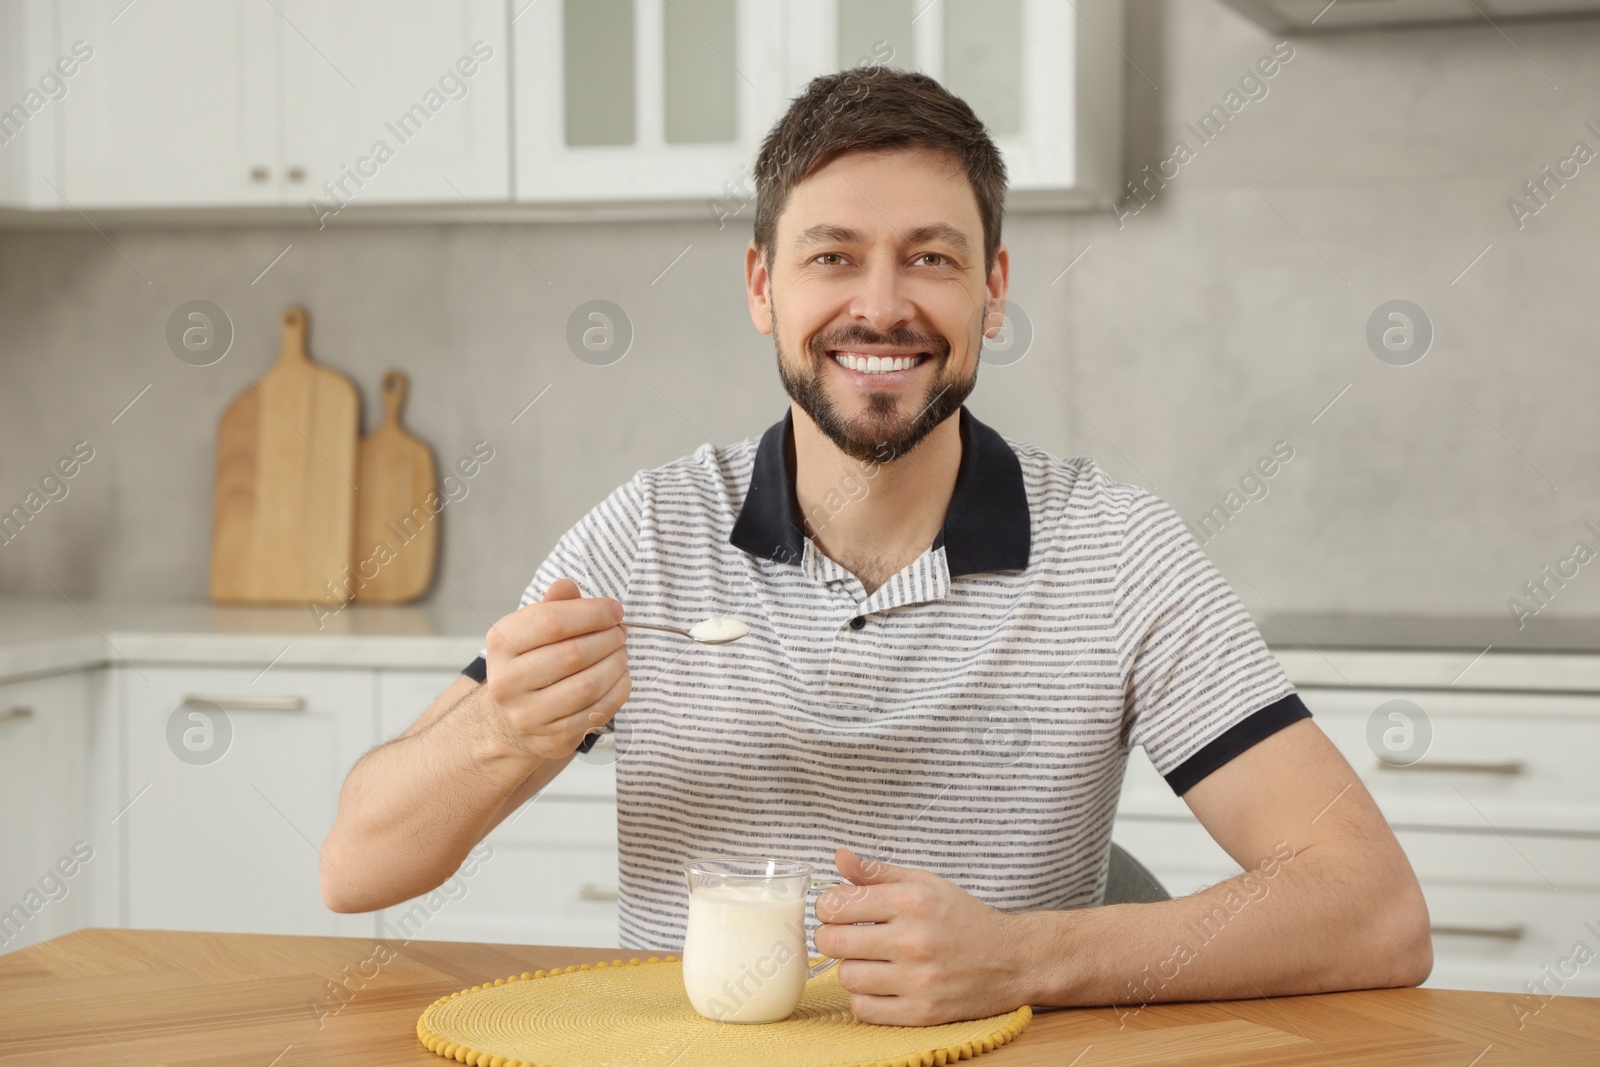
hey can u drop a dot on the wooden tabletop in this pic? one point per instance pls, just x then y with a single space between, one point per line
148 998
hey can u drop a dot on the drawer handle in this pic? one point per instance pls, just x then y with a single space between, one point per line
250 703
1509 767
18 712
591 891
1509 932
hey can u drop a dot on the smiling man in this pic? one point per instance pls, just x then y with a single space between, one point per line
955 641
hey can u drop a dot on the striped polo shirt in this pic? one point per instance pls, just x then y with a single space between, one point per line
971 717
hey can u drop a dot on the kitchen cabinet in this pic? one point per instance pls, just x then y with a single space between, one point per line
47 848
238 103
388 102
235 775
641 100
175 106
1499 817
656 106
547 875
644 99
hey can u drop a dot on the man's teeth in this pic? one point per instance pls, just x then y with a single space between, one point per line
876 364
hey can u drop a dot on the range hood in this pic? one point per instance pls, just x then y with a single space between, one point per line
1320 16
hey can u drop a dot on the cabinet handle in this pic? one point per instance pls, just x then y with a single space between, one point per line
591 891
297 174
259 174
1509 767
1509 932
18 712
250 703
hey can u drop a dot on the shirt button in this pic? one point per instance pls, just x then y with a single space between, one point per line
857 623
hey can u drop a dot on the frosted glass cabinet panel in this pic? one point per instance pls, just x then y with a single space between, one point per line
597 59
877 31
700 39
984 61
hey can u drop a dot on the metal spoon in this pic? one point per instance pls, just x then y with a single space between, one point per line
719 640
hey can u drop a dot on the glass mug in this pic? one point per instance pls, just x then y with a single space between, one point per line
744 953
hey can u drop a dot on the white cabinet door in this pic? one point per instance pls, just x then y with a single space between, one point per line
547 875
644 99
1044 76
47 848
236 776
390 102
176 107
647 100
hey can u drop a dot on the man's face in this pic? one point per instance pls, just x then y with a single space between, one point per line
878 257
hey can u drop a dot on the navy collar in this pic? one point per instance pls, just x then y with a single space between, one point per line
986 528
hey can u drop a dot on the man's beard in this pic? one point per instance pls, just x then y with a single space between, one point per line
877 434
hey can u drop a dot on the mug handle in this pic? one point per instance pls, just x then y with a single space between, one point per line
824 882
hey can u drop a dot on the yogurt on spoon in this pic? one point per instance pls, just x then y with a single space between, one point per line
715 631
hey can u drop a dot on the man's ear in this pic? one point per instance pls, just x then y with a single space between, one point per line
758 286
995 287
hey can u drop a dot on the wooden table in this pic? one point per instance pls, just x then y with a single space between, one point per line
144 998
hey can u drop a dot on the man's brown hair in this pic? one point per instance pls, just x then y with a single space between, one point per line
875 107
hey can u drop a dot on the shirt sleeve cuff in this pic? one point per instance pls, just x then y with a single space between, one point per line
1238 737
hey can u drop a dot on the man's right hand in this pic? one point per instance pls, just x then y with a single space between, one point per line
557 670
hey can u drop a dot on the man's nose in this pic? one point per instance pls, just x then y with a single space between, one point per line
883 301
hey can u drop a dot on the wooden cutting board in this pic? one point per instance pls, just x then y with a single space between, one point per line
396 507
283 510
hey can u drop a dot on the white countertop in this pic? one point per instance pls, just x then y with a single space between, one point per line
48 635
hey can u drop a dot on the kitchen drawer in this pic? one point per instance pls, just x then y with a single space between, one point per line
530 891
1502 907
558 820
225 818
1510 760
1493 939
1505 760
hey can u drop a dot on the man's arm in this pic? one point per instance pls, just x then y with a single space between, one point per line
1327 901
411 809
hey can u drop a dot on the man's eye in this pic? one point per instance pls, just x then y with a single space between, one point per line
940 256
828 255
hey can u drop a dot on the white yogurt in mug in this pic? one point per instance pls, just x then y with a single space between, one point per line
744 957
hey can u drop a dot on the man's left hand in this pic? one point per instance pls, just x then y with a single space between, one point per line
933 954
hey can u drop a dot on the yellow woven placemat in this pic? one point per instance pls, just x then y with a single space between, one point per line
635 1011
